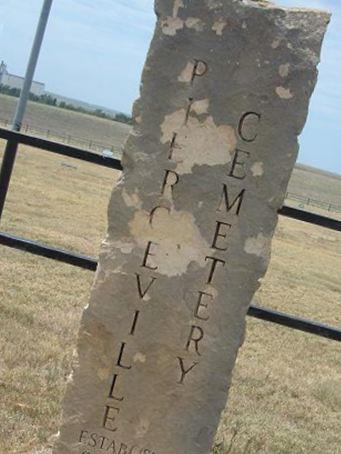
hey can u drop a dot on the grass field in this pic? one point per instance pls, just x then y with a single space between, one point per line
68 123
286 392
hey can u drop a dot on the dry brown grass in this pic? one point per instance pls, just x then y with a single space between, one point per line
286 390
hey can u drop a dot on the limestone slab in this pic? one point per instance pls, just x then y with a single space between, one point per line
224 96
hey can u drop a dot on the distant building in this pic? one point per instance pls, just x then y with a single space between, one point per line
13 81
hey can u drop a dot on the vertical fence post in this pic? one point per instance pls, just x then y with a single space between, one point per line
12 146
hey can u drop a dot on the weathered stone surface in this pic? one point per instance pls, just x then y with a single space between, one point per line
224 96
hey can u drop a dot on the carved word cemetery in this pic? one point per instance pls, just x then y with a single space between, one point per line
224 96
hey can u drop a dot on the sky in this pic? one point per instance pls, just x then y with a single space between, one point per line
95 50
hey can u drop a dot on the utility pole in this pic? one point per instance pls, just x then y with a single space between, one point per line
12 147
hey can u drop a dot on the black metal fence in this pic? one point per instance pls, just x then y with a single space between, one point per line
94 145
303 201
89 263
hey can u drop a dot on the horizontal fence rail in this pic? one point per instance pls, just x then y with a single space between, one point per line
100 147
311 218
61 149
298 323
313 202
61 255
68 139
73 152
89 263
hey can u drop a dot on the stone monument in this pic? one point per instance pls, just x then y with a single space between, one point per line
224 96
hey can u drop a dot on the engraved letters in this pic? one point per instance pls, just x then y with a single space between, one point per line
183 369
170 180
144 285
190 223
110 418
200 68
143 291
195 337
238 164
148 253
198 312
245 123
225 201
113 385
220 232
215 262
229 206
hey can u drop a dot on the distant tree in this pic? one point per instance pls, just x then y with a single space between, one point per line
51 101
6 90
123 118
100 113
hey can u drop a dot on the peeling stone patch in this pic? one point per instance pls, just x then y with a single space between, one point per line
259 246
139 357
275 43
198 142
257 169
174 253
124 247
219 26
186 74
284 93
171 25
201 107
132 200
103 374
195 23
284 70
